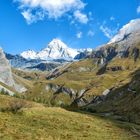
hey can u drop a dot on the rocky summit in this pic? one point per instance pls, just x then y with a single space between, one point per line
56 49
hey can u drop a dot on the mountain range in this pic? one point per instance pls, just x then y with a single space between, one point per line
55 54
101 84
56 49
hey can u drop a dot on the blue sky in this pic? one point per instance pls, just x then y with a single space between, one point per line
31 24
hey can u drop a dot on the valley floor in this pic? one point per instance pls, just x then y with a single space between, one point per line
52 123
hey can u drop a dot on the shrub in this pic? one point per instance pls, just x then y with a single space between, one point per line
15 105
3 92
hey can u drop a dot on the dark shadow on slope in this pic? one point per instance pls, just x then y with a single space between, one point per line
132 128
121 106
123 101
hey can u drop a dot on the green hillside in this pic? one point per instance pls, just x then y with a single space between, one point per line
34 121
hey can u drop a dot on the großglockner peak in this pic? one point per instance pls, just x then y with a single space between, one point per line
56 49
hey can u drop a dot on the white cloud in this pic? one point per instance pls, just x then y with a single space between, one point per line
138 10
90 33
109 32
90 16
79 35
34 10
82 18
30 18
112 18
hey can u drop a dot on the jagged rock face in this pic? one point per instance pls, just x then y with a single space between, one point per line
105 54
44 66
83 55
65 90
6 76
5 71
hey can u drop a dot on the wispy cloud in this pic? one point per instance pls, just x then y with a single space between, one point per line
30 18
90 33
34 10
79 35
82 18
138 10
108 31
112 18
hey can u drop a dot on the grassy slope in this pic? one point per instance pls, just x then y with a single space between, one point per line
77 78
43 123
80 79
128 105
80 75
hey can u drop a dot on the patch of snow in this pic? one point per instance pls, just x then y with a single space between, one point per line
30 54
132 26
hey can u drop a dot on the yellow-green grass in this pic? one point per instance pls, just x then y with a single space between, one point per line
76 78
21 81
124 100
79 80
30 75
5 100
58 124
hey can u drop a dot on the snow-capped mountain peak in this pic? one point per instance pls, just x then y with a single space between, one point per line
126 30
57 43
30 54
56 49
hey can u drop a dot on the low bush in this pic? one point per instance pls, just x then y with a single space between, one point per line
15 105
3 92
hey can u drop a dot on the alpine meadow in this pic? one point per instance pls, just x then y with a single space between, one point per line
69 70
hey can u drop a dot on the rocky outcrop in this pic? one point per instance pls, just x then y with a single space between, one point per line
79 100
44 66
58 71
5 71
77 97
63 89
135 53
6 76
6 91
81 55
